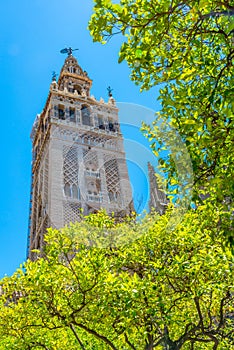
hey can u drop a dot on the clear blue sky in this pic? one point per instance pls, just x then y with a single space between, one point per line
31 36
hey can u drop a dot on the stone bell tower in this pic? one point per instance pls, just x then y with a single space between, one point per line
158 199
78 156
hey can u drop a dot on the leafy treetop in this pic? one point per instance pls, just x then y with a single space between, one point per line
189 47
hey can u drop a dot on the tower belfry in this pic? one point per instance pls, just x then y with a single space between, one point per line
78 156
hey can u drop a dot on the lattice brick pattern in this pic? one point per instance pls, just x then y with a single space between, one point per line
70 165
71 212
90 159
112 175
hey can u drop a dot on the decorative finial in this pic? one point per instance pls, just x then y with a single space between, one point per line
68 50
54 76
109 91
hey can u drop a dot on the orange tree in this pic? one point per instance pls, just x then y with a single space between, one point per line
156 289
189 47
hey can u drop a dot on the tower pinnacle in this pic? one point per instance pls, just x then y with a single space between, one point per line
109 90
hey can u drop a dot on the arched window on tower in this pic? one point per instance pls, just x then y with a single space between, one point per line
72 114
86 115
111 125
113 196
101 123
74 192
78 89
61 112
67 190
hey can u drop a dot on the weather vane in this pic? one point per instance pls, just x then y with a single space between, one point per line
68 50
109 91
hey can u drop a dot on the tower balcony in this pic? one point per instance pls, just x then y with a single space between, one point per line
91 173
94 198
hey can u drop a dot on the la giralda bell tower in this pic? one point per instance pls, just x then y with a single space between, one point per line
78 156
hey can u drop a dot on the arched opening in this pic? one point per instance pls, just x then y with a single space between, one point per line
74 192
113 196
67 190
61 111
86 115
78 89
111 125
72 114
101 123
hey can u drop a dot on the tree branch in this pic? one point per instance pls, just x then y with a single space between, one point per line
76 336
197 303
128 342
97 335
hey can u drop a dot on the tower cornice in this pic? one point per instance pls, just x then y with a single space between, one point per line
74 76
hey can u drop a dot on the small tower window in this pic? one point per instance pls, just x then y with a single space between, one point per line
67 190
85 114
72 114
101 122
113 196
111 125
61 112
78 89
74 192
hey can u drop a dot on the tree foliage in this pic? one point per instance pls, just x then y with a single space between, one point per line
189 47
164 290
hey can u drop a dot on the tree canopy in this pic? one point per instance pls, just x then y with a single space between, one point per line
188 46
163 290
